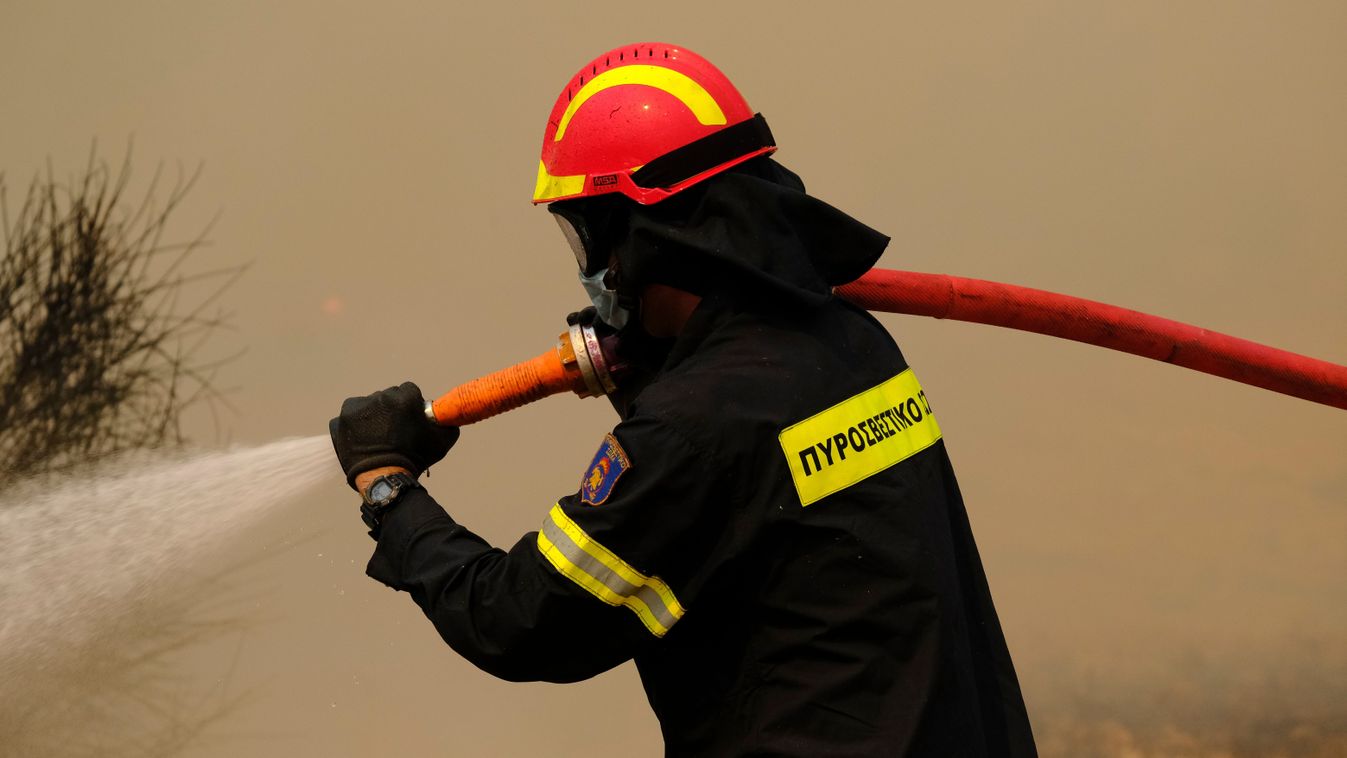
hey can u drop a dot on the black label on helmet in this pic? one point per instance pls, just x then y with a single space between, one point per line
604 180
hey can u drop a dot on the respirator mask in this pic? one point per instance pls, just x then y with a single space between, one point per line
588 234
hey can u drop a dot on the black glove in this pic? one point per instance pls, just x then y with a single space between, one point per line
584 317
388 428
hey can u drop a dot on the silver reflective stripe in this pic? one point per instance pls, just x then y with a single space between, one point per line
624 592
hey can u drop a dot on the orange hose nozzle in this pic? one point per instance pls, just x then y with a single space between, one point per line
577 364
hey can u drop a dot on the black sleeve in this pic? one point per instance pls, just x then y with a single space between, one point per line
509 613
596 585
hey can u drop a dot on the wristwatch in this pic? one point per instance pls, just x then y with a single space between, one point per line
380 497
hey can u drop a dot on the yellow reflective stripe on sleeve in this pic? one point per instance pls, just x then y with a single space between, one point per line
859 437
678 84
578 557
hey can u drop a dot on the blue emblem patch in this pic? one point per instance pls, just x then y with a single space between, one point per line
609 463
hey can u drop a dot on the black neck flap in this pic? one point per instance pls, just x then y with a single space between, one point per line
706 153
754 224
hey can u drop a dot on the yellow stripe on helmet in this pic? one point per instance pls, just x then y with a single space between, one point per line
550 187
681 86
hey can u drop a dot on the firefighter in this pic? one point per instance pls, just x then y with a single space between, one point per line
773 531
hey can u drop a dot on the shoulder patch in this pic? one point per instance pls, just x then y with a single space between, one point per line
610 463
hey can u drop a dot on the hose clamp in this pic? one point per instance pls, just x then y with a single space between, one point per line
595 352
584 359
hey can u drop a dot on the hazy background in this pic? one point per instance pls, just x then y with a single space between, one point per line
1168 550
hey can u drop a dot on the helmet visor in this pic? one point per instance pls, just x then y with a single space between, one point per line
588 226
573 238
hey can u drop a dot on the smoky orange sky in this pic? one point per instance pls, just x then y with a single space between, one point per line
1146 530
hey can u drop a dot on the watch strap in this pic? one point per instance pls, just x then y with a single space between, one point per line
373 513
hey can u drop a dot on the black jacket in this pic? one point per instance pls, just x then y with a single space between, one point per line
774 533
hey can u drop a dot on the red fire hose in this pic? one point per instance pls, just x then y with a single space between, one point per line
1073 318
579 360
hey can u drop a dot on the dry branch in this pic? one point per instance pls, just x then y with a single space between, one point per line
98 355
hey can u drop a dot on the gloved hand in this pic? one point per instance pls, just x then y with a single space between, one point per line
584 317
388 428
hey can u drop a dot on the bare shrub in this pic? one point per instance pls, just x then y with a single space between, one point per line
97 353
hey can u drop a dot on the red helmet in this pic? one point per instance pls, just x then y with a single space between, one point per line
646 120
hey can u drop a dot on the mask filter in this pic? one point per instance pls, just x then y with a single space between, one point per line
605 300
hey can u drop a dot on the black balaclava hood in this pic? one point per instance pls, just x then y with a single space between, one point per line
757 223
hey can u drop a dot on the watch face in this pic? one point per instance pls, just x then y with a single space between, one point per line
380 491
